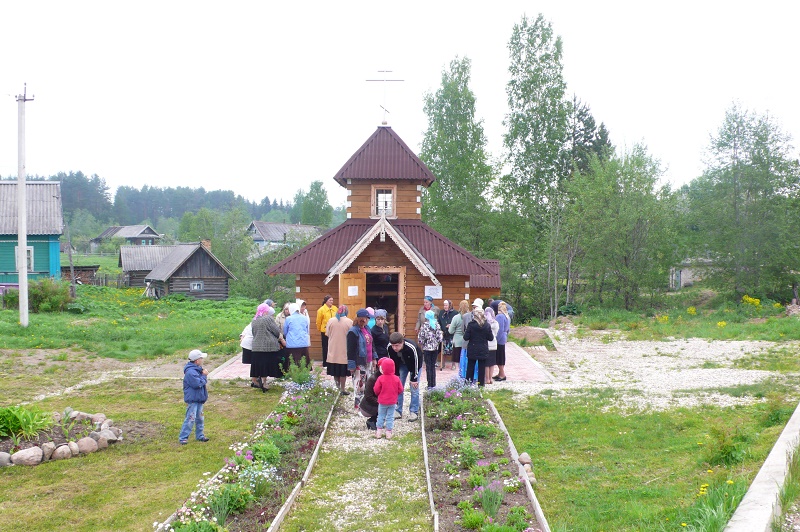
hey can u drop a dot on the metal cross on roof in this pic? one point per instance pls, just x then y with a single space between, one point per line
384 80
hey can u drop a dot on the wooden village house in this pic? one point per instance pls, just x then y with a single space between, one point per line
383 255
189 269
272 235
45 223
134 235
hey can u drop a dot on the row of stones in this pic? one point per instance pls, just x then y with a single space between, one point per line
527 465
105 432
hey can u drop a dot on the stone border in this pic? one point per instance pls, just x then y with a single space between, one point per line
761 504
523 473
105 433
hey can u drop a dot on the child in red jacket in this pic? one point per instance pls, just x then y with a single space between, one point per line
388 388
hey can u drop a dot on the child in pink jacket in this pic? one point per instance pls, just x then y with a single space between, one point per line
388 388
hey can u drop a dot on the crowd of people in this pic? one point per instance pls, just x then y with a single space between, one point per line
471 339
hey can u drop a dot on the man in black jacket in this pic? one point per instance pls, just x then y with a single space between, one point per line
407 358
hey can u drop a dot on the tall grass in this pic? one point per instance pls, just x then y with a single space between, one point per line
124 325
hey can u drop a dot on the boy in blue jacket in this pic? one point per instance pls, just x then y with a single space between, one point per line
194 395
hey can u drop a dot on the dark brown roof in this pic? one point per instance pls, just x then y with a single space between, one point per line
444 256
384 156
487 281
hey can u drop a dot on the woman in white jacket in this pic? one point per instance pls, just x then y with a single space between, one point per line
491 360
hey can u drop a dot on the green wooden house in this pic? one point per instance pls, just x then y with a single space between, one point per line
45 224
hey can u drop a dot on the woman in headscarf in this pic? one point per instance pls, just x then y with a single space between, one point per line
282 315
324 314
266 346
504 321
336 331
429 338
295 330
477 338
491 360
445 317
380 334
246 343
359 354
456 328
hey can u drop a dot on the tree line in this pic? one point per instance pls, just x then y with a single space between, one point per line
576 222
573 220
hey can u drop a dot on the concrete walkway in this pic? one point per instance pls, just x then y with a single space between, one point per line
520 366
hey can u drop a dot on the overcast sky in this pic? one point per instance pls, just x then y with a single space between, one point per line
263 98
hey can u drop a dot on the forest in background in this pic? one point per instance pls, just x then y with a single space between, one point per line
575 220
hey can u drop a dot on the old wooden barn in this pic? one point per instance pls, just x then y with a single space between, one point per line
189 269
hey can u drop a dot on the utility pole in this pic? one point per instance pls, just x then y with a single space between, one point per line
22 206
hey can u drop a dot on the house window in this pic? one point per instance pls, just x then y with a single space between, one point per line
383 201
29 257
196 286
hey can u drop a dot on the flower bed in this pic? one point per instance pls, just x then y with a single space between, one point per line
475 482
249 490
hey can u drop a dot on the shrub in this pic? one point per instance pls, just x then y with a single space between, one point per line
467 453
267 452
473 519
299 373
518 518
480 431
728 446
231 498
197 526
25 421
46 295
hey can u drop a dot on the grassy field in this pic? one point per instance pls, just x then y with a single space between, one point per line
109 263
123 325
602 470
140 480
598 469
696 313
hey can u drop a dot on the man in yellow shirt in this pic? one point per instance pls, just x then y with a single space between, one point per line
324 314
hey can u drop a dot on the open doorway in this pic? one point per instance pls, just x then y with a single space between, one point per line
382 292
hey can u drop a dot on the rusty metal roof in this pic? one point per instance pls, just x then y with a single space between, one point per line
487 281
384 156
444 256
44 214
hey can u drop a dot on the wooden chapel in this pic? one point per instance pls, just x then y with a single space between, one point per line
383 255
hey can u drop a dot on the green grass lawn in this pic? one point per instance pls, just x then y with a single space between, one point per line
124 325
109 262
599 469
140 480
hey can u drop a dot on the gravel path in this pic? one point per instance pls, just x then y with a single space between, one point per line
648 375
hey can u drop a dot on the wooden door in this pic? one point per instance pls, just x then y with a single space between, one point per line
353 291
